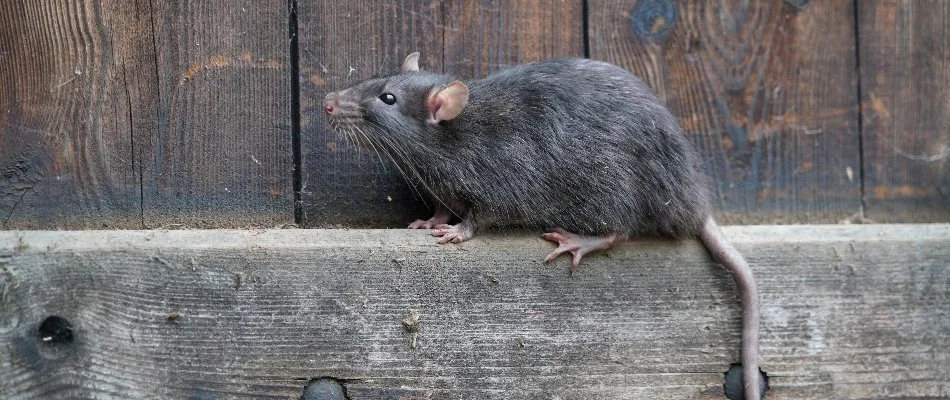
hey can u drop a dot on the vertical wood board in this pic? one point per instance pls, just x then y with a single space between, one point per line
131 114
340 44
66 152
483 37
905 97
766 90
221 155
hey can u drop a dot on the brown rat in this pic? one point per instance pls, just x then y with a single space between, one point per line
577 146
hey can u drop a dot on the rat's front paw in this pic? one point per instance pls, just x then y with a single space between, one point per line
422 224
452 233
440 218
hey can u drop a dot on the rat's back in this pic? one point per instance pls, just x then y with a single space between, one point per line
582 145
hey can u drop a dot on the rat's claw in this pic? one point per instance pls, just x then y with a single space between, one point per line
422 224
451 233
565 244
446 235
576 261
562 248
558 235
577 245
451 237
440 218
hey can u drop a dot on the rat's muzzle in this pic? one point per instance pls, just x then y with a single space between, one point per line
331 103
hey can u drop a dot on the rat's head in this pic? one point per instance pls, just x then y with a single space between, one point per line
397 110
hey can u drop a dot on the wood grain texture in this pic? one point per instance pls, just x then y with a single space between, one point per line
66 154
141 113
848 312
905 97
766 90
222 155
340 44
482 37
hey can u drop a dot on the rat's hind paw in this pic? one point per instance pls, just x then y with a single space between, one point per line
577 245
452 233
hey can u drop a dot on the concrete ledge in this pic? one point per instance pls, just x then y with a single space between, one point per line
849 311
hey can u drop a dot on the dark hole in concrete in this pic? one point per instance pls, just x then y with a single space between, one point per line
55 330
733 384
325 388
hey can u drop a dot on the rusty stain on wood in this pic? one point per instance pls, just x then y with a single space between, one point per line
220 61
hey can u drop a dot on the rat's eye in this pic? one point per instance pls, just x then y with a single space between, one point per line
388 98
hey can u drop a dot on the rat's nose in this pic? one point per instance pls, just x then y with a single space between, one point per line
331 103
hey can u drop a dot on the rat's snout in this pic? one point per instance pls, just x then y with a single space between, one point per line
331 103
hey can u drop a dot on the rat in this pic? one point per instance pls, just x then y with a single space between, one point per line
577 147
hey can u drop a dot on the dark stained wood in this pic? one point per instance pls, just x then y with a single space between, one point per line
118 114
130 114
905 97
484 36
849 311
66 152
766 90
222 155
341 43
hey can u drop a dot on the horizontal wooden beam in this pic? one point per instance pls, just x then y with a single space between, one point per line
849 311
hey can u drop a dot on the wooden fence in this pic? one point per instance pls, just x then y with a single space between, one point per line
160 113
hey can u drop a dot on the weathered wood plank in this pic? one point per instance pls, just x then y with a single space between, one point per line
766 90
848 312
905 97
66 153
222 155
483 37
341 43
141 113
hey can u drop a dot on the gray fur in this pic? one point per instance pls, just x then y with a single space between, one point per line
570 143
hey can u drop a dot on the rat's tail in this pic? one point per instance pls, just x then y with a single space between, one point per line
722 251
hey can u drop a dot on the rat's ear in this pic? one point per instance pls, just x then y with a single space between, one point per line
446 102
411 63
